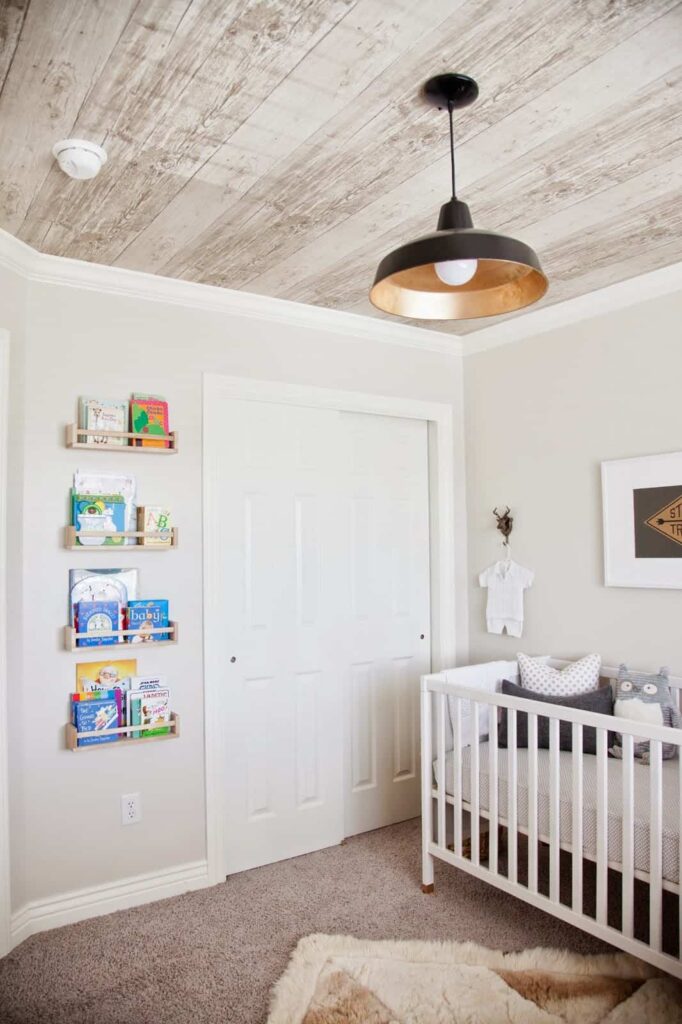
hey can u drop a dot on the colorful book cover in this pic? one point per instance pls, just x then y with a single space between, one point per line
144 616
116 685
103 414
101 585
134 715
94 617
149 416
77 698
154 519
154 711
99 513
144 687
96 716
110 483
104 675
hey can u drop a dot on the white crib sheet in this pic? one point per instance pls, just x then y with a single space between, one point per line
671 802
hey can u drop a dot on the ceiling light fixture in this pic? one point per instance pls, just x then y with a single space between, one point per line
457 272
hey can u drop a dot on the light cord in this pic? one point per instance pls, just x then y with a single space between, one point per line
452 151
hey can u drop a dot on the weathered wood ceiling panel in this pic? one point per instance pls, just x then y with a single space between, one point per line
279 146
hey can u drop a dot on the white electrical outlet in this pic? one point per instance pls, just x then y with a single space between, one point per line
131 809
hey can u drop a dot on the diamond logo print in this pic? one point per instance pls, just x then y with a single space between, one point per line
668 520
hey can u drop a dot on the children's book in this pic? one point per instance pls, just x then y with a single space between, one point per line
92 676
145 689
95 677
100 513
95 617
96 484
97 715
154 519
103 414
149 416
155 710
101 585
145 616
77 698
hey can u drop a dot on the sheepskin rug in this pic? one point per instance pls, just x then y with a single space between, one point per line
335 979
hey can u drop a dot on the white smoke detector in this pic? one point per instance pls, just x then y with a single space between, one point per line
78 158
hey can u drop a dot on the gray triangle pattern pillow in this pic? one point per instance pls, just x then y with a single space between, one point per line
578 677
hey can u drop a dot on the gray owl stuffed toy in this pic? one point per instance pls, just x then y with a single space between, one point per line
644 698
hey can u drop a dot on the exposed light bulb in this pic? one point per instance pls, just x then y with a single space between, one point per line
456 271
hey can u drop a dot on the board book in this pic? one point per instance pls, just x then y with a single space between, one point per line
148 702
103 414
145 616
149 416
100 513
154 519
96 715
95 617
104 675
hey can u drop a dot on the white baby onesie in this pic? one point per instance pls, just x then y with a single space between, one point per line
506 582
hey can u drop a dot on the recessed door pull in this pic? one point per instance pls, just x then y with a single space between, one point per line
233 659
421 636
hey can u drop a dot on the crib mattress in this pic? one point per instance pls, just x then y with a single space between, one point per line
671 802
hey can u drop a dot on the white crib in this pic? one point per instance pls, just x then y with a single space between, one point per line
624 816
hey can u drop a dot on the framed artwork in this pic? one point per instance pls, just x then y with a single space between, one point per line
642 502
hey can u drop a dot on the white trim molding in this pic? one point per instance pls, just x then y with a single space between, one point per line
48 269
5 899
82 904
36 266
613 297
443 466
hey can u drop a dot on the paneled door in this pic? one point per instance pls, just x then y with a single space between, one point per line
388 622
324 570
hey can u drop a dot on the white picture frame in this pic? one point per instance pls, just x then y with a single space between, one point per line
620 479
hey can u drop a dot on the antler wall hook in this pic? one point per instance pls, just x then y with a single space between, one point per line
505 522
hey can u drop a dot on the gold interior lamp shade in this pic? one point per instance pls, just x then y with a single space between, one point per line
458 272
508 274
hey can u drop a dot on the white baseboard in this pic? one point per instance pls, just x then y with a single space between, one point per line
104 899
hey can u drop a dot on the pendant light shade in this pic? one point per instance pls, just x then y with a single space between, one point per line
458 272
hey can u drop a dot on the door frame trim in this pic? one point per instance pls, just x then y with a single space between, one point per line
5 878
440 420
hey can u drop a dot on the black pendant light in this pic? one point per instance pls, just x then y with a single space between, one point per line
458 272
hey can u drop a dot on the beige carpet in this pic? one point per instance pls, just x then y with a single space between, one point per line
212 957
335 979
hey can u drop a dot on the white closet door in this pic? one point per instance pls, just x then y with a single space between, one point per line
283 605
389 623
326 593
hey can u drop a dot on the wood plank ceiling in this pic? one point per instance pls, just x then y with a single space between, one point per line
280 147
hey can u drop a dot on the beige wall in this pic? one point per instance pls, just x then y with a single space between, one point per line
540 417
66 831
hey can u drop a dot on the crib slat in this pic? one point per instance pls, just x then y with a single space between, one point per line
577 819
440 748
493 811
627 875
475 781
512 777
655 845
533 802
554 809
457 782
427 785
602 828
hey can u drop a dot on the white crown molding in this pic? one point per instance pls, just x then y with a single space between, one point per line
36 266
651 285
48 269
105 899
